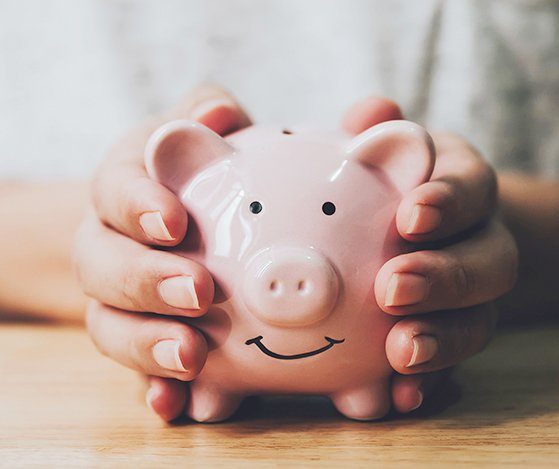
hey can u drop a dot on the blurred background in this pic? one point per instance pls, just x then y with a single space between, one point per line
75 74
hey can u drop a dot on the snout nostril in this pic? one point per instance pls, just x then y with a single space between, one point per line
289 286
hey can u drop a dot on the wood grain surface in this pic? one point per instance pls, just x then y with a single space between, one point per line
62 404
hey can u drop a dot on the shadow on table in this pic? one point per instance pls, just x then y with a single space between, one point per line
289 409
517 377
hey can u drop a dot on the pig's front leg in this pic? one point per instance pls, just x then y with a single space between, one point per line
367 402
211 403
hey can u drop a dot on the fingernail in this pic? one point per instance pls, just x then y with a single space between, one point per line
206 107
167 355
150 396
419 401
425 347
154 227
179 292
424 219
406 289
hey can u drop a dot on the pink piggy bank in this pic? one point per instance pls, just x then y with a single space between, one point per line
293 226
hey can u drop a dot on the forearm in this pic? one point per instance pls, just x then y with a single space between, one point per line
531 210
38 222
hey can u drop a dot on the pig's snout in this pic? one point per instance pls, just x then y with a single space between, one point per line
290 287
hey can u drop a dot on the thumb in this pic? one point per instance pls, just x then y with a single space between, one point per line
368 112
214 107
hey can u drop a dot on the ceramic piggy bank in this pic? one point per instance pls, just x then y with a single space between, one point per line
293 226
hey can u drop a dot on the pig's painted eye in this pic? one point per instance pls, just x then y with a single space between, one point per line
328 208
255 207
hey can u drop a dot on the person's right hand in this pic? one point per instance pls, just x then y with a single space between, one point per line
122 272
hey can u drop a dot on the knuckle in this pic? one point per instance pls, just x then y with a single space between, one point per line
140 278
458 278
130 289
464 280
127 193
421 260
142 339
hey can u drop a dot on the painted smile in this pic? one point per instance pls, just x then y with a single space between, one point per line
258 342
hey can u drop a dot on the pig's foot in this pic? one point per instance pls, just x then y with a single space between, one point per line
208 403
368 402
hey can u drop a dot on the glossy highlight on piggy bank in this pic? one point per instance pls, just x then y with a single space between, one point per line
293 227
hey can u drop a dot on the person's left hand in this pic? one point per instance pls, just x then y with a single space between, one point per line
466 259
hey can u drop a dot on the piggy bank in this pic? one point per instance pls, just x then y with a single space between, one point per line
293 227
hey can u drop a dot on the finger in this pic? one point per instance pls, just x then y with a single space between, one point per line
151 344
166 397
422 344
128 200
462 193
127 275
471 272
214 107
368 112
410 391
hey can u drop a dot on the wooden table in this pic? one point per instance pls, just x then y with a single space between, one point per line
61 403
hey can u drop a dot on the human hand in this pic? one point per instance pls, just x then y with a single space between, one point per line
167 397
466 258
118 267
466 255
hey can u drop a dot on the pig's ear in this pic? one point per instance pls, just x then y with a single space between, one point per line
403 150
178 149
